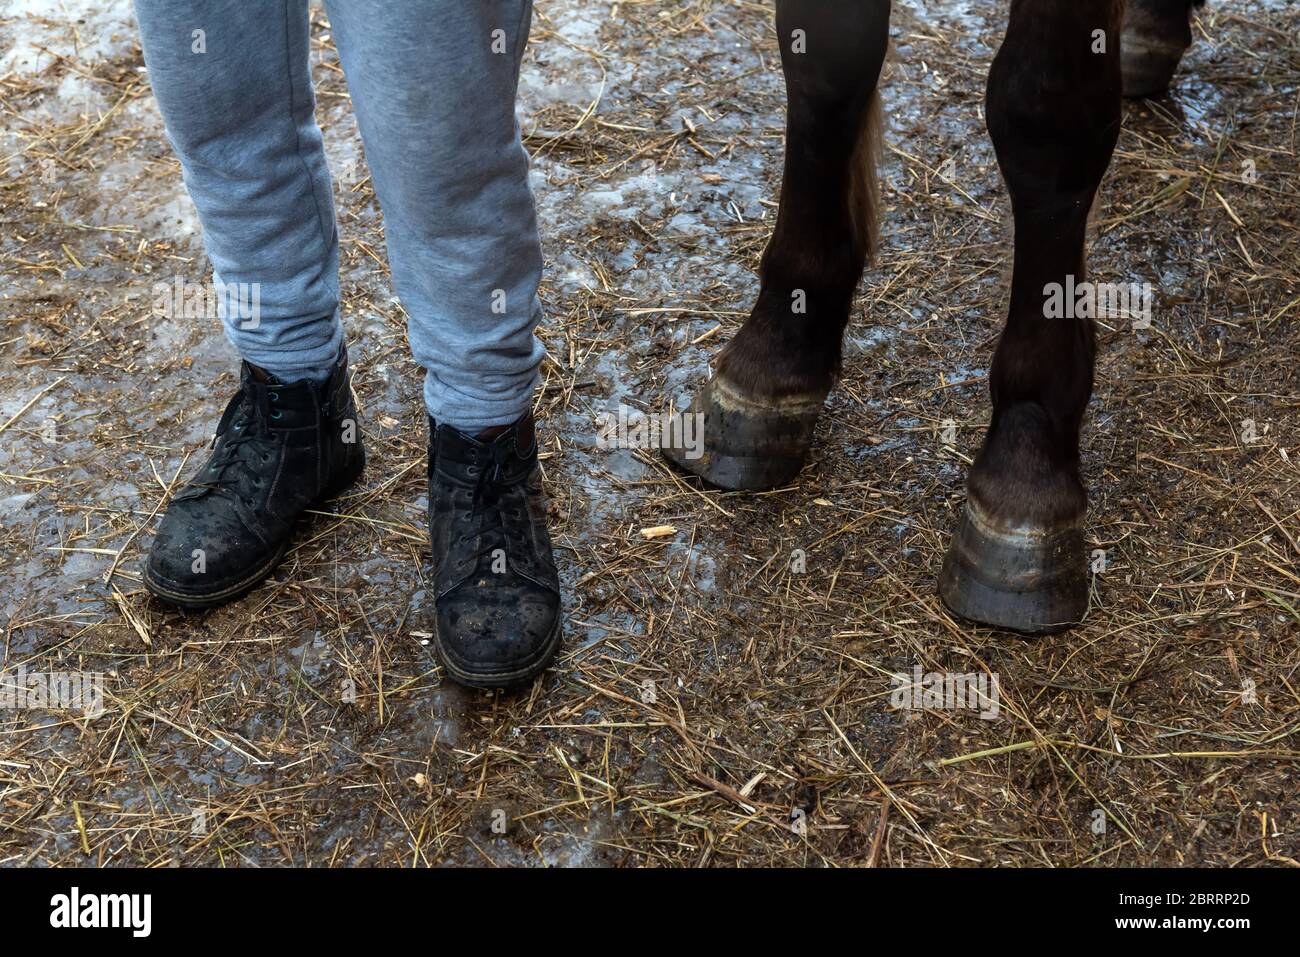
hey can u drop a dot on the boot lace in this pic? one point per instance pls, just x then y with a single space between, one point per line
248 442
498 508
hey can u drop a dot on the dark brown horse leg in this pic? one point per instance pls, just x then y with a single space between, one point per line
1017 559
772 378
1156 35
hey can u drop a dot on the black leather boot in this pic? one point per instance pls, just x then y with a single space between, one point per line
497 594
280 449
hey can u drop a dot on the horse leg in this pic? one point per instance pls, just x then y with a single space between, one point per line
1156 35
762 404
1017 558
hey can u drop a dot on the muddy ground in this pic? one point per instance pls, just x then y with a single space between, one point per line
715 703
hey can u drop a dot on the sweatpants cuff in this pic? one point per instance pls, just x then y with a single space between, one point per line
472 415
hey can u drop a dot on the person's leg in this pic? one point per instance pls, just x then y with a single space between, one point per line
433 85
232 80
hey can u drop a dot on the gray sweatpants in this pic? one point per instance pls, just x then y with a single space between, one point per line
433 85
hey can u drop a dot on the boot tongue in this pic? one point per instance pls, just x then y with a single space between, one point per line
262 377
498 447
525 433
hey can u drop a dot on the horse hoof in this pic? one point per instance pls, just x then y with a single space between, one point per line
749 443
1030 581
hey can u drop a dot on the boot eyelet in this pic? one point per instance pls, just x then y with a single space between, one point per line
276 414
275 396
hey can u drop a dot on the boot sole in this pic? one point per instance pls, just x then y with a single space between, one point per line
503 679
198 601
